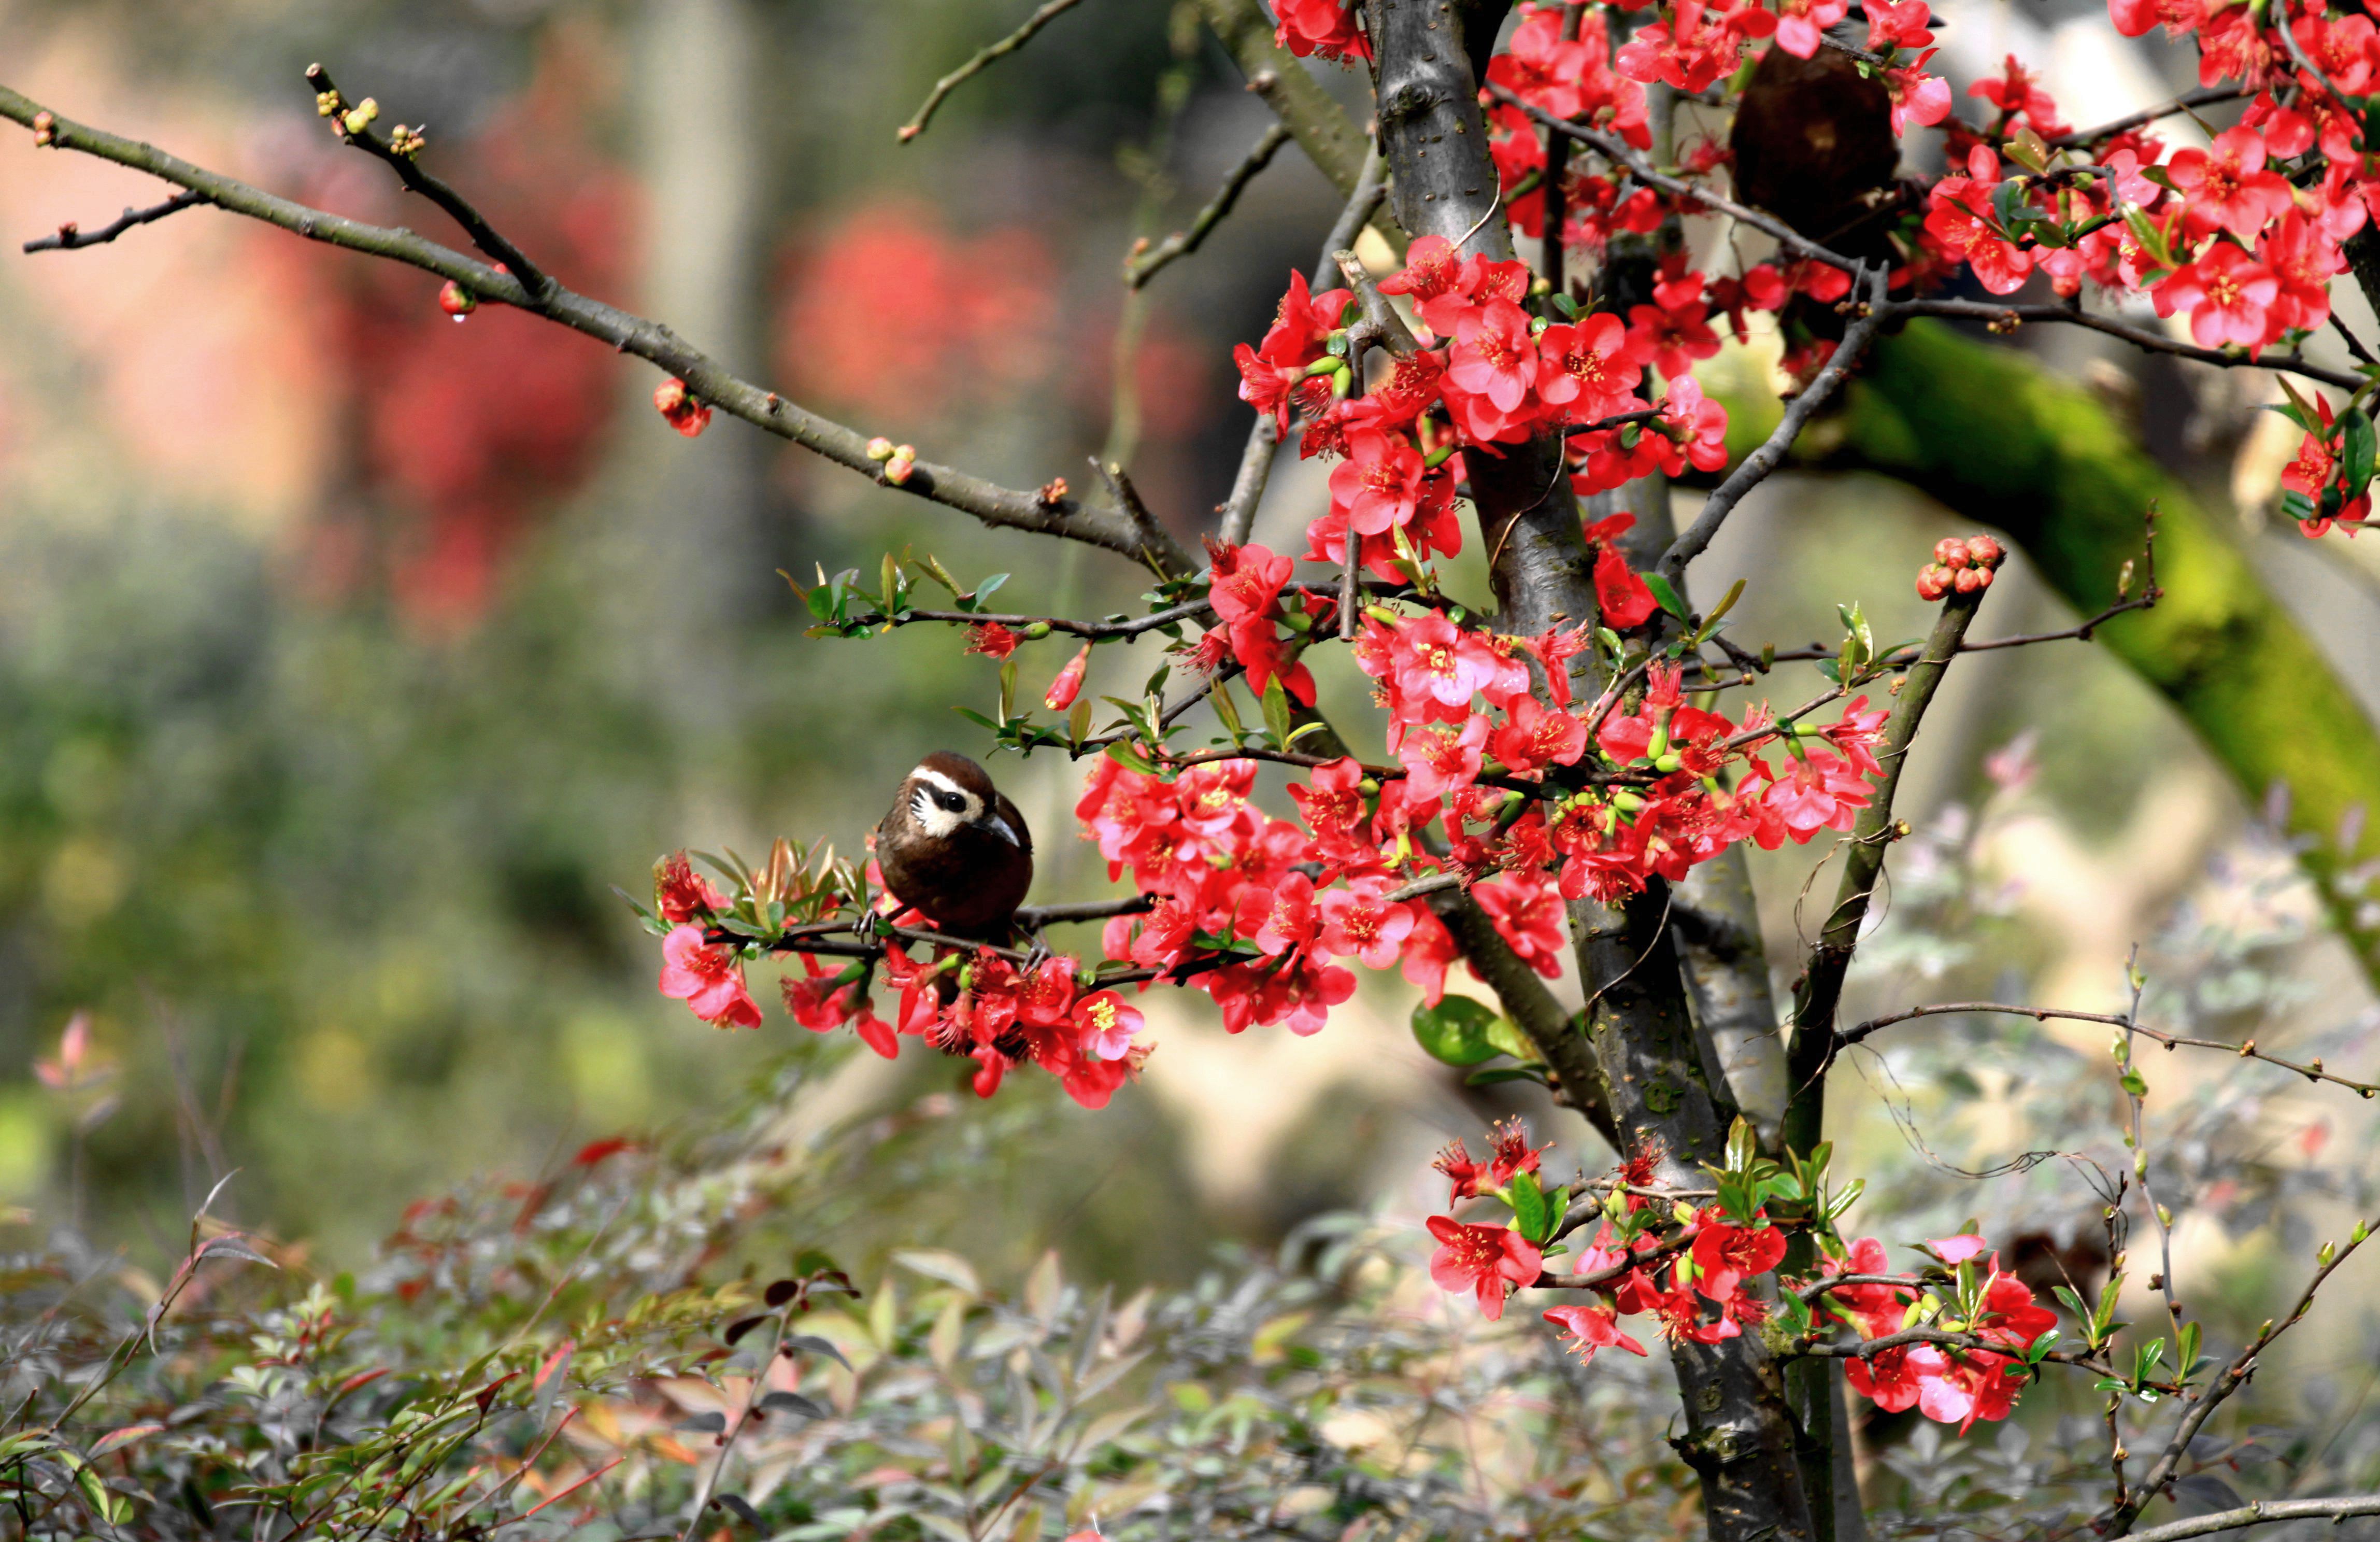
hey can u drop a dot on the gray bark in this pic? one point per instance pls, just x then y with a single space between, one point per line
1739 1434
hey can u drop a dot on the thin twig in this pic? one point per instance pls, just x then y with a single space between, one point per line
1819 993
2263 1512
983 60
1139 268
1378 313
71 237
1617 420
1756 466
1237 512
2205 96
2140 337
2312 1071
1095 629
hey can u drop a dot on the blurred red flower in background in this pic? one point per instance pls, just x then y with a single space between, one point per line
889 313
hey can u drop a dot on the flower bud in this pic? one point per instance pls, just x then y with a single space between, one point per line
1984 551
1951 552
327 103
1063 689
1968 581
1037 630
45 128
359 116
456 301
676 403
880 449
1932 582
897 469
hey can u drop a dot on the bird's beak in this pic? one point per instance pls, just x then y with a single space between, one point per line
999 826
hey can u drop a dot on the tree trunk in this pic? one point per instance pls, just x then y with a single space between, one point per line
1739 1435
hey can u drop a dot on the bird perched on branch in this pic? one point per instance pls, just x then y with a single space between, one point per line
954 847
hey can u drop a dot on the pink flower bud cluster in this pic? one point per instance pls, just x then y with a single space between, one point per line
1964 566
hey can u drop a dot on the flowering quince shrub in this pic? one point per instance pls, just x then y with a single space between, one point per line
1704 1272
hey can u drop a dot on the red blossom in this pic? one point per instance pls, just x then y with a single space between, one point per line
709 978
1485 1260
1590 1329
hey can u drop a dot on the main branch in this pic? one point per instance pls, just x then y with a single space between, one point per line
705 377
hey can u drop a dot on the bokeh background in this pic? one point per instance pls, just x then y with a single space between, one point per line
349 656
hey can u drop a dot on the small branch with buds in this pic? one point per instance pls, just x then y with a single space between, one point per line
1144 265
71 237
985 57
399 155
2312 1071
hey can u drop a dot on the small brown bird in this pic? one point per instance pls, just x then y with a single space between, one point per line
954 847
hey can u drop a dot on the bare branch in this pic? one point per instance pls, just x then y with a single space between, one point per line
1330 140
1163 554
2311 1070
1756 466
1096 630
705 379
1378 314
71 237
985 57
2205 96
2009 316
2263 1512
1813 1047
1142 266
1617 421
1238 511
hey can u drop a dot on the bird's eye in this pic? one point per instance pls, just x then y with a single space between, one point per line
952 802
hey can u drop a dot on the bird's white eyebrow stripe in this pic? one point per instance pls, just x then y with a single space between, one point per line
924 774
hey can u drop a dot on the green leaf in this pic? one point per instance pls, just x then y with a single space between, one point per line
2355 428
1506 1034
1455 1032
1528 1202
1742 1145
1275 711
1123 754
1493 1073
1665 594
2152 239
